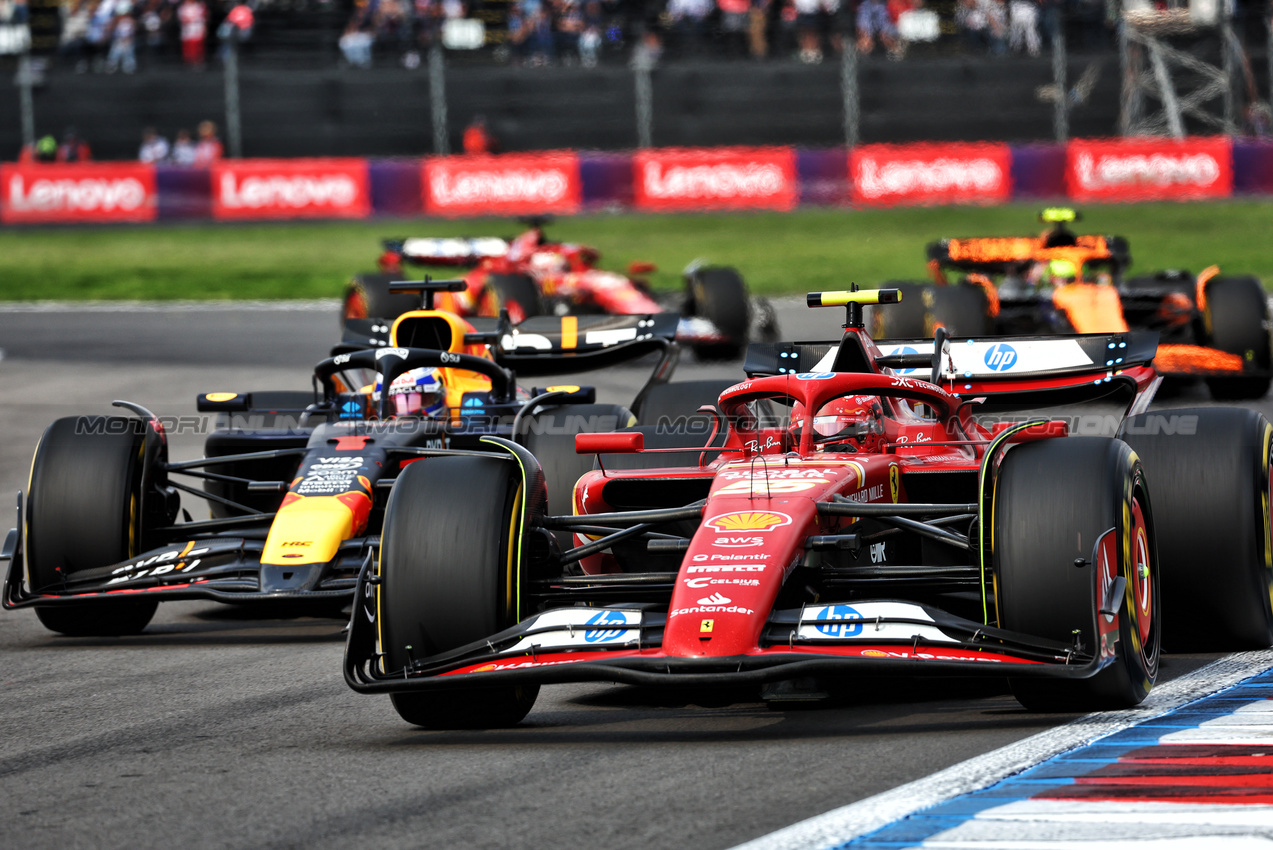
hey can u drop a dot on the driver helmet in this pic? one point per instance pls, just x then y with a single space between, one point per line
1062 272
416 392
836 415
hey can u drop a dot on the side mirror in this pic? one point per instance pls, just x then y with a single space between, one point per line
642 267
614 443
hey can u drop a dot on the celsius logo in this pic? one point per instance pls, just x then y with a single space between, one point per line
850 627
1001 357
605 618
715 599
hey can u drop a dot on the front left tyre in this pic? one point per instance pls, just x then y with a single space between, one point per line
84 510
449 576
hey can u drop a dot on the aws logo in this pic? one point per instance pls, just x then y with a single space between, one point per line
748 521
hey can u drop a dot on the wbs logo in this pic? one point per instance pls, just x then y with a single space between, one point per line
1001 357
603 618
851 625
906 349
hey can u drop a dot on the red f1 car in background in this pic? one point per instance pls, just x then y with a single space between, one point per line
531 276
1210 326
838 520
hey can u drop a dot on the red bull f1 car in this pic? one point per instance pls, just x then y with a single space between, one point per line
840 519
1210 326
296 507
532 276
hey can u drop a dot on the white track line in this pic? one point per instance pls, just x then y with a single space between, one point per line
298 306
854 820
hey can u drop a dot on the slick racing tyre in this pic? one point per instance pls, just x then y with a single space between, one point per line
1209 468
905 319
718 294
449 577
550 437
83 510
368 297
962 309
1053 499
1235 320
518 293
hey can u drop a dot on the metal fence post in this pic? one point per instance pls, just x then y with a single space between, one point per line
437 101
1061 109
641 67
233 125
26 102
849 91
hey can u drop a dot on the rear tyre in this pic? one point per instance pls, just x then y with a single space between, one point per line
449 577
1235 319
1053 499
368 297
905 319
962 309
1211 502
718 294
518 294
83 510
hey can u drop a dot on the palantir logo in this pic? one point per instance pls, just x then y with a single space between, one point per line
1001 357
605 618
850 625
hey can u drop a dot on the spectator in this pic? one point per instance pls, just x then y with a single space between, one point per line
649 50
811 17
1023 27
208 150
44 150
152 21
194 31
73 43
539 38
98 37
355 45
73 148
688 23
183 149
981 23
873 22
734 24
123 54
236 29
154 147
568 27
590 38
757 28
477 139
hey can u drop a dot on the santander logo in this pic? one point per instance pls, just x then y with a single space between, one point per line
1159 169
905 177
516 184
295 192
750 180
76 194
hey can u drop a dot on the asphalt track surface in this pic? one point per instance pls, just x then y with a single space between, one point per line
230 727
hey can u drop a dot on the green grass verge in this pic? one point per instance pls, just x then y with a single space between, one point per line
776 252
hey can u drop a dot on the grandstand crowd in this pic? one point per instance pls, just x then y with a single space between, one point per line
124 36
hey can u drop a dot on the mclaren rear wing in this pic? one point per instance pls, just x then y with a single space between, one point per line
997 255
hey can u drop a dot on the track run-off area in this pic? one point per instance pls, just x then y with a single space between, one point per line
231 727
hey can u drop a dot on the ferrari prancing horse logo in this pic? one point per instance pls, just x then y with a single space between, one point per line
894 480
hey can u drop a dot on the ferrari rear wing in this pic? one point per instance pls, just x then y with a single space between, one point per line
1018 357
465 251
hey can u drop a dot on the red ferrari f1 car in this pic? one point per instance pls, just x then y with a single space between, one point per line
1210 326
531 276
839 519
296 482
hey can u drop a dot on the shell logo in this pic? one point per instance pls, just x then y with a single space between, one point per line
748 521
874 653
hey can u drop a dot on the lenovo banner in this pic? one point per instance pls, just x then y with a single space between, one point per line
947 173
88 191
507 184
1149 169
715 178
290 188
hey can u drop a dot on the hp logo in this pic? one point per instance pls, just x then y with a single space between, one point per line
1001 357
604 618
850 627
